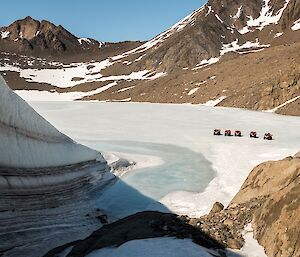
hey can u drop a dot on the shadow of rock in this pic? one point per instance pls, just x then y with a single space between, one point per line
143 225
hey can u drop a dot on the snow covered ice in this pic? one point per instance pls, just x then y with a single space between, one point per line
180 166
197 168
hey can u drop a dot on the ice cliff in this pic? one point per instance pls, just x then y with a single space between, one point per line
45 181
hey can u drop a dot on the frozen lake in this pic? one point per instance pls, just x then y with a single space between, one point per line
195 168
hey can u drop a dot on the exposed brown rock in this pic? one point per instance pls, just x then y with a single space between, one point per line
217 207
276 222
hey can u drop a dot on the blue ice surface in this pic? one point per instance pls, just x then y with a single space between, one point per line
141 189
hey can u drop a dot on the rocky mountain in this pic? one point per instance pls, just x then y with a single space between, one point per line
32 36
232 52
35 38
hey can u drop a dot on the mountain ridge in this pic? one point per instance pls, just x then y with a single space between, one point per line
238 32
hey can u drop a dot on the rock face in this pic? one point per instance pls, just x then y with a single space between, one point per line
269 201
276 221
30 35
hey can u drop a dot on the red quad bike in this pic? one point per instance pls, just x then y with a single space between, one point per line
228 133
237 133
268 136
217 132
253 134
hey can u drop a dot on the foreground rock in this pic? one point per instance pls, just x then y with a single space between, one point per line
138 226
269 200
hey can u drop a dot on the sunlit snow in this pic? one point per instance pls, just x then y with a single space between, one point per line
296 25
198 168
4 34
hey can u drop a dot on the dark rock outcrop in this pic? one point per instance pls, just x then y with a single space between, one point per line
139 226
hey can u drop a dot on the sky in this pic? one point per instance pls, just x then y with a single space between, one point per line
104 20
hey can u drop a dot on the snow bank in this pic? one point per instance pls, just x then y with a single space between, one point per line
251 247
156 247
296 25
213 103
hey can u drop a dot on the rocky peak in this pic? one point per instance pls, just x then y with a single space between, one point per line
34 37
224 26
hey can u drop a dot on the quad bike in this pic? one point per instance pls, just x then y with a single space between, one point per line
237 133
253 134
228 133
268 136
217 132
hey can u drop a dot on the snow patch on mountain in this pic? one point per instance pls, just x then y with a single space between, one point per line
266 17
234 46
238 13
193 91
125 89
77 73
206 62
296 25
218 18
279 34
84 39
4 34
213 103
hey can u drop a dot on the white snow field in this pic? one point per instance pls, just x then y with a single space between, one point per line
156 247
197 168
173 247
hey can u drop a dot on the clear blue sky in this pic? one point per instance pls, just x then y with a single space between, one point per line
105 20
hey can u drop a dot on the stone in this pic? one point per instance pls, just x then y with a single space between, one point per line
217 207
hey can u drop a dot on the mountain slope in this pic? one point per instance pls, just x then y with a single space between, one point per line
225 51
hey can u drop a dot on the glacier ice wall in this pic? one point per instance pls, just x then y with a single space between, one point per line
45 181
27 140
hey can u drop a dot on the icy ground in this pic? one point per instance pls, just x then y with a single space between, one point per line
195 168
